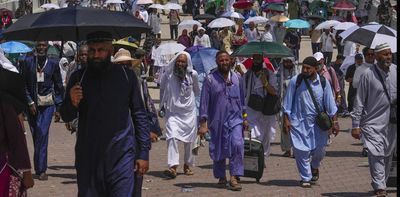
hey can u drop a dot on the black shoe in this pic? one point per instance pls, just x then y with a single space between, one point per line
315 175
43 177
364 152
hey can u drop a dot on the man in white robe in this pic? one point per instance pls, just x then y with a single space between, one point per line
179 87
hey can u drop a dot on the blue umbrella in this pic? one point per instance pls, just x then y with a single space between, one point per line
204 60
297 24
15 47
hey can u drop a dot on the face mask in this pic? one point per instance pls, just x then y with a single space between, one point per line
256 67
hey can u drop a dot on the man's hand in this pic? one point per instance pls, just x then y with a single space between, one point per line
68 126
33 110
27 179
286 124
263 78
335 129
245 125
356 133
142 166
153 137
76 95
338 100
203 130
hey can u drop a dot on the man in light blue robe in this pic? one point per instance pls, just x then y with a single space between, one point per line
308 139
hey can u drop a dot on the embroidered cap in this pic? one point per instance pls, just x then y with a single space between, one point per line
381 47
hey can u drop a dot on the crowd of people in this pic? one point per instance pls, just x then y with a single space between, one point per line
79 89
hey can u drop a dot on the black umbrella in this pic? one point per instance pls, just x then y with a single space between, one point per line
204 17
74 23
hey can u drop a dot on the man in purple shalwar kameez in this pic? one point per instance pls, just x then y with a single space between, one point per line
221 108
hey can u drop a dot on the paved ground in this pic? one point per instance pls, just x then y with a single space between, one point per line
343 172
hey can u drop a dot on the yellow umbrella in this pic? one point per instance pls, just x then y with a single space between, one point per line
125 43
279 18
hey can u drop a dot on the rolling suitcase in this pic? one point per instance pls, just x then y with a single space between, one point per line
253 159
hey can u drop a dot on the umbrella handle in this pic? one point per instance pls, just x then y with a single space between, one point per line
62 48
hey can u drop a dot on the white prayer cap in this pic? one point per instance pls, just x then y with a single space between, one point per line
201 28
381 47
318 56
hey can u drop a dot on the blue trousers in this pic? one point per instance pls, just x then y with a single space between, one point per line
39 126
236 165
305 160
138 186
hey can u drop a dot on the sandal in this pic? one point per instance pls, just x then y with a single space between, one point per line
305 184
380 193
234 184
315 174
187 171
170 173
222 181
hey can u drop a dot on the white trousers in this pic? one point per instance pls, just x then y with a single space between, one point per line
379 167
264 130
173 153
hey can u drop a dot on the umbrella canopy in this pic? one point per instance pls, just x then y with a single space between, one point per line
15 47
9 12
347 62
277 7
204 17
267 49
125 43
248 63
242 4
172 6
274 1
371 35
327 24
232 15
168 50
344 25
297 24
279 18
114 1
220 23
143 2
344 5
188 24
193 49
257 20
204 59
157 6
49 6
74 23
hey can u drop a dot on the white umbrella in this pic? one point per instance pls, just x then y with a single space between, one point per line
220 23
157 6
166 51
172 6
143 2
257 20
233 15
188 24
114 1
327 24
344 25
49 6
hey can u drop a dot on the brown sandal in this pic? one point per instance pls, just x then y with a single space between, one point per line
170 173
187 171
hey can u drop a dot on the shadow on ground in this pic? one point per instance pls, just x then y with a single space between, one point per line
65 176
348 194
200 185
288 183
61 167
343 153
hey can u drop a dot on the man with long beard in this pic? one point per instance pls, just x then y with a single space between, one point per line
221 108
374 115
113 139
308 140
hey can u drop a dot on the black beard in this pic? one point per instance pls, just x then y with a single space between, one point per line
99 66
